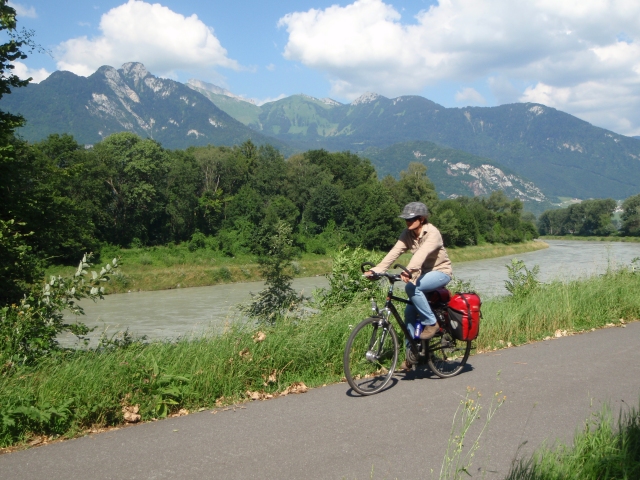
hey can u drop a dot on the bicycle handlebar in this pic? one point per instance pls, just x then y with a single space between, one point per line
393 277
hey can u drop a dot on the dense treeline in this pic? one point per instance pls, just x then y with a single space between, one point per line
129 191
593 218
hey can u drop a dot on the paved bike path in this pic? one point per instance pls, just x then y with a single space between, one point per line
551 388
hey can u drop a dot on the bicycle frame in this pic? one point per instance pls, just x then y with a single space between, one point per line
414 345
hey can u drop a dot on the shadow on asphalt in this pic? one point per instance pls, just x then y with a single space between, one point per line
421 373
392 382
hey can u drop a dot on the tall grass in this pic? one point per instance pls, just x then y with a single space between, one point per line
572 307
601 451
67 394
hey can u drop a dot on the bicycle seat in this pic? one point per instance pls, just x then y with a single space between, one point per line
441 296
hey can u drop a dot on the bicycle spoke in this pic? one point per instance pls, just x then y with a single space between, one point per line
370 356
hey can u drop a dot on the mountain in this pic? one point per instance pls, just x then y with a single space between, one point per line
456 173
243 110
563 155
128 99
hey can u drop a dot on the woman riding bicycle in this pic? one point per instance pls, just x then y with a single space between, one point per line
430 267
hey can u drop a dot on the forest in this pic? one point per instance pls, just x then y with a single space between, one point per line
63 199
594 217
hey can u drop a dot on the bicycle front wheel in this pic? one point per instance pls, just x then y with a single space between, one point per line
447 356
370 356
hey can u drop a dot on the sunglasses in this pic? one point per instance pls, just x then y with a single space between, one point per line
412 219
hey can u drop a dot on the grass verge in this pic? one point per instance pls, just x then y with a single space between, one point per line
83 390
602 450
163 268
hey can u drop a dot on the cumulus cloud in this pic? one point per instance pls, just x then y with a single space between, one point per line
262 101
470 96
165 41
23 11
585 46
24 72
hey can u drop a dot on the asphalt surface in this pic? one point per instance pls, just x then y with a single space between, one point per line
552 387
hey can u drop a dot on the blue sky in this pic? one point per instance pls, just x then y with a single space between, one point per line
581 57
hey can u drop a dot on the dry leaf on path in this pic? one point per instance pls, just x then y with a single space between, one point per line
295 387
130 413
258 395
180 413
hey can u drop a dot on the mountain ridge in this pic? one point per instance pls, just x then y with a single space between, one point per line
131 99
561 154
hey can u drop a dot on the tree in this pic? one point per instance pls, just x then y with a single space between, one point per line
9 53
278 297
136 174
19 268
415 186
631 216
325 204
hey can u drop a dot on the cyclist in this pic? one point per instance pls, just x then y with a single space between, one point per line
430 267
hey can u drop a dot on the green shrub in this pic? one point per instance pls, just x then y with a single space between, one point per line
345 280
29 329
198 241
522 281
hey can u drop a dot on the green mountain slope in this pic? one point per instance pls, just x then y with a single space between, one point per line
128 99
562 154
456 173
245 112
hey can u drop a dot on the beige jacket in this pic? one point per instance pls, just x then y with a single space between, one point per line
428 252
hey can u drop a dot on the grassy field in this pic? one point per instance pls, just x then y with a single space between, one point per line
592 239
81 391
162 268
603 449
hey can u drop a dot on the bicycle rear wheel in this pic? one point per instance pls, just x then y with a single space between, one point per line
447 356
370 356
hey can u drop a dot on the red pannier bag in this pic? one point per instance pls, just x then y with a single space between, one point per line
464 315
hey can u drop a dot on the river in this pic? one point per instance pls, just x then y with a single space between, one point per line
168 314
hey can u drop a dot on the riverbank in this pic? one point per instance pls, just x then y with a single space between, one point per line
164 268
70 394
591 239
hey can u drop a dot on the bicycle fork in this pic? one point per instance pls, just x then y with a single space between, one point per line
418 348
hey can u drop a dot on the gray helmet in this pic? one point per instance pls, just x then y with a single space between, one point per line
414 209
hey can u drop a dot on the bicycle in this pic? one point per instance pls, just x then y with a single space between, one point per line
371 352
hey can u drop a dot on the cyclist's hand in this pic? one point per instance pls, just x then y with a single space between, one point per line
370 274
405 277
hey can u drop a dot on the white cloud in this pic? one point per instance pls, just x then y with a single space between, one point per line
586 46
23 11
24 72
165 41
261 102
271 67
470 96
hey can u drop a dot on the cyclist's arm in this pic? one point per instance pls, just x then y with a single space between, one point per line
398 249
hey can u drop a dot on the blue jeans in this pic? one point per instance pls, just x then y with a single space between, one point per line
420 311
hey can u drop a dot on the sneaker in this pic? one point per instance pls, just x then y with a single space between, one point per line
429 332
406 366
